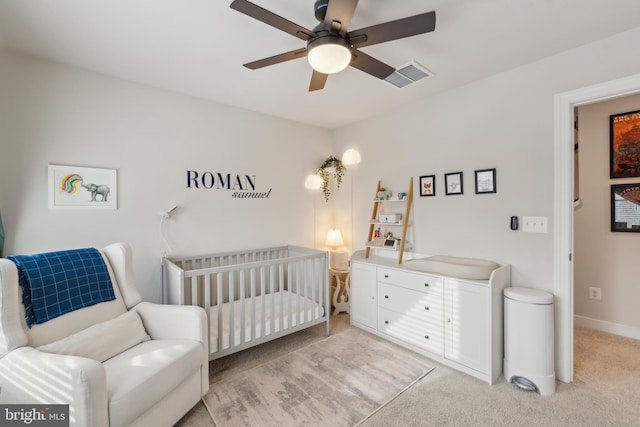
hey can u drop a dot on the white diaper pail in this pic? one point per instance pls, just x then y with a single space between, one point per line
528 340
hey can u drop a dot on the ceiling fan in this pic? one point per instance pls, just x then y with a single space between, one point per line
331 47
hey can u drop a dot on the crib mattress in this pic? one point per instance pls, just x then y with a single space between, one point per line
296 309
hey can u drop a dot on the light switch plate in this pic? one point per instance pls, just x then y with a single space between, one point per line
534 224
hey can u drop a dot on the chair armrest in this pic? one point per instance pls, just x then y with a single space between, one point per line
28 375
164 321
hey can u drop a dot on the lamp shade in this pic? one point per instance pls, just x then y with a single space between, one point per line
329 54
313 182
334 238
351 157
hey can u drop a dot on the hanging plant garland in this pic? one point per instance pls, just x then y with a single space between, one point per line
325 173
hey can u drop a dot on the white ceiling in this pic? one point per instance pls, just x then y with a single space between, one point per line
197 47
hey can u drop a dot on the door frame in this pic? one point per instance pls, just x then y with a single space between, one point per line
564 106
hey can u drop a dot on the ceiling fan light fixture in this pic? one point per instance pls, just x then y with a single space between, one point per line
328 55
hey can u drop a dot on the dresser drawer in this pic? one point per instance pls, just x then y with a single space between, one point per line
427 305
417 281
414 330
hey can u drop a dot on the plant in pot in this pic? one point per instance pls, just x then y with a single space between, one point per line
383 193
331 166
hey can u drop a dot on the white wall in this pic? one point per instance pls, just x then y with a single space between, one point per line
505 121
50 114
603 259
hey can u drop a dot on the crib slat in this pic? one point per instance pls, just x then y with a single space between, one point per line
309 289
281 317
219 298
231 316
291 287
263 304
300 288
253 304
206 303
241 301
272 299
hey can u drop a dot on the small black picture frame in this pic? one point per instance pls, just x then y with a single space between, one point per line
427 185
453 183
485 181
625 207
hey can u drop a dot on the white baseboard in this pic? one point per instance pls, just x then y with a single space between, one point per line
604 326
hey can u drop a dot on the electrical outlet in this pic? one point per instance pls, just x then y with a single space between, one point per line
595 293
534 224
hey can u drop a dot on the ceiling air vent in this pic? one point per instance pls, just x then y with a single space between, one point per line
408 74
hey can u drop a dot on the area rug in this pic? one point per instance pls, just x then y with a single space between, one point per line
338 381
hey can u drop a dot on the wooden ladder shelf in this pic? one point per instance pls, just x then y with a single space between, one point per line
405 220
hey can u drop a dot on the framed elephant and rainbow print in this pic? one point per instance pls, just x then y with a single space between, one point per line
76 187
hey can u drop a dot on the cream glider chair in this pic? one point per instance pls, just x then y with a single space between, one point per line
118 363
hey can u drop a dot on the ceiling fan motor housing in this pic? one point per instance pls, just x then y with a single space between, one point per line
320 9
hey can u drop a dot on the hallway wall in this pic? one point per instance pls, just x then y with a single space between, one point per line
603 259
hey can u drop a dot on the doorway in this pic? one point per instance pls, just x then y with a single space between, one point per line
564 105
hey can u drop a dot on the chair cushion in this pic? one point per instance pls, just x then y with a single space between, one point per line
146 373
463 268
102 340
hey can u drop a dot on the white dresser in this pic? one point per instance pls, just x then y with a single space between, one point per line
456 322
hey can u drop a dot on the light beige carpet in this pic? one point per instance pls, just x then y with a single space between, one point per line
605 393
338 381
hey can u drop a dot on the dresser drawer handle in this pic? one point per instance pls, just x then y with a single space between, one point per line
426 337
426 285
386 296
386 322
426 308
386 276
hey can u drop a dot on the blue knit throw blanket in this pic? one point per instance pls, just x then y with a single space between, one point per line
56 283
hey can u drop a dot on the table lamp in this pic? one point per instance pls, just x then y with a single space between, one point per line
337 259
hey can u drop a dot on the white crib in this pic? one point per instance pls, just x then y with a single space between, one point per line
252 296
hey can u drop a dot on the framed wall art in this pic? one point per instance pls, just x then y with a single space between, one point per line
427 185
453 183
76 187
625 207
624 143
485 181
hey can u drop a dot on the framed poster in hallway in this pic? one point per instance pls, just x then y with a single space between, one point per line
624 143
625 207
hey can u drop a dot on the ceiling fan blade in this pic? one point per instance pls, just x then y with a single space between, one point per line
370 65
276 59
340 11
270 18
394 30
318 80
